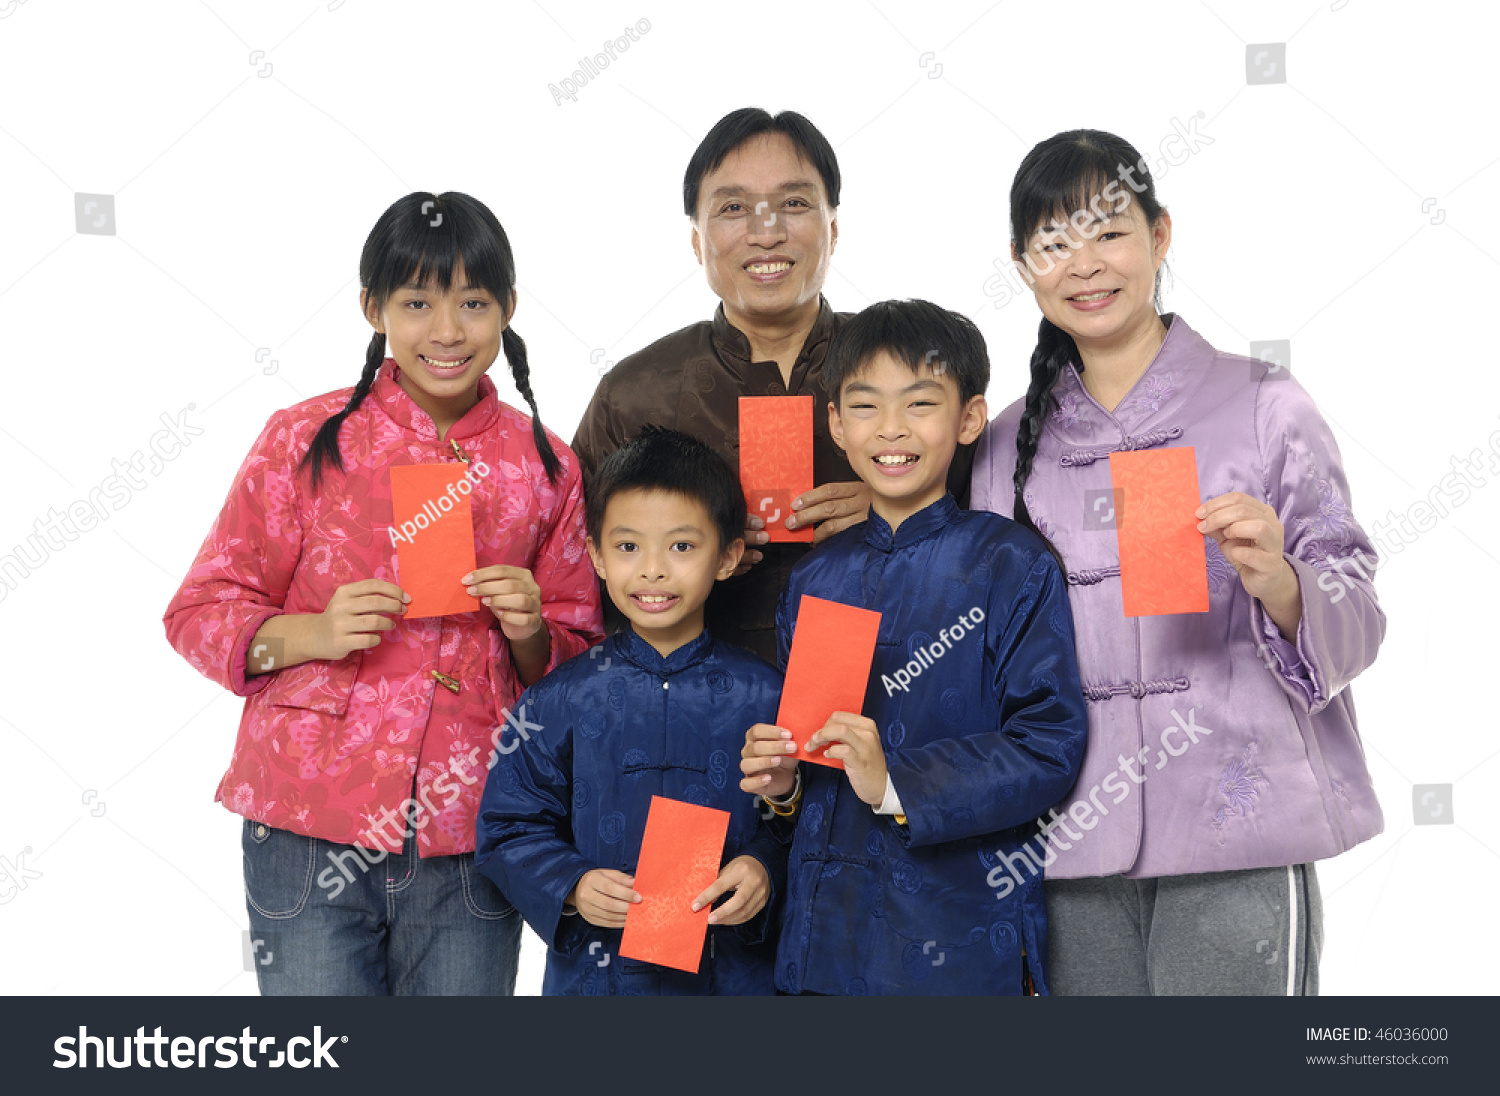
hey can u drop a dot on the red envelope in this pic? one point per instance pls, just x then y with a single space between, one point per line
1162 564
776 460
681 853
434 543
827 671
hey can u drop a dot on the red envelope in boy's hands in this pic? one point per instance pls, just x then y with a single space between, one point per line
434 544
681 853
776 460
1163 568
827 671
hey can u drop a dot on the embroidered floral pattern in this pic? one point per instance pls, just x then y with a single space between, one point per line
1331 520
1221 572
1239 788
1151 394
1069 410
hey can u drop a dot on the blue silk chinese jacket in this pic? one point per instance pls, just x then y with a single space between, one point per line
583 753
976 694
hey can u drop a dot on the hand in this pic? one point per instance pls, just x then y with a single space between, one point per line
834 507
354 617
512 595
753 537
602 896
764 761
747 878
857 744
1253 540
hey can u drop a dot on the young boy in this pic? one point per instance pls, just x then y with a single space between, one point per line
659 708
976 717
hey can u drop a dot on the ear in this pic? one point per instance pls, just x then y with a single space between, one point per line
697 243
833 231
510 311
975 417
1161 237
836 425
729 559
1019 258
594 556
376 320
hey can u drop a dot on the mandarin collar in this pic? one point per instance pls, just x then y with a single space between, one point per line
731 342
1176 370
924 523
632 648
402 410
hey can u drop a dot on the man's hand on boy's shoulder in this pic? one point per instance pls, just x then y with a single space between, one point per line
764 761
856 742
834 507
747 878
603 896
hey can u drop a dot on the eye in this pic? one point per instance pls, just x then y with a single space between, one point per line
479 302
733 207
683 546
415 304
1108 235
625 546
924 403
799 202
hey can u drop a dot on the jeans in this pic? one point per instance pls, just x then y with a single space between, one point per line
375 924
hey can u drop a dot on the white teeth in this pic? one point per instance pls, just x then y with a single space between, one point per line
443 365
768 268
653 599
1094 296
894 459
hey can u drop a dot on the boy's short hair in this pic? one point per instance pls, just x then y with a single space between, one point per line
658 459
918 333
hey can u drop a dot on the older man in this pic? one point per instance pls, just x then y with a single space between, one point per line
762 193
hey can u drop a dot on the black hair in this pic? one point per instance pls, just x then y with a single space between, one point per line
919 333
422 239
1065 173
658 459
739 126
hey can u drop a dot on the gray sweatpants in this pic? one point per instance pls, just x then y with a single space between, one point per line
1244 933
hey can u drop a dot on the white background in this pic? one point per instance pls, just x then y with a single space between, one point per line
242 202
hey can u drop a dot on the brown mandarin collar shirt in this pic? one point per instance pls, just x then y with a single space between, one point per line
691 381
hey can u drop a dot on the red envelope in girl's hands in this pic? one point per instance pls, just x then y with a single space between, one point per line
682 851
1163 568
776 460
827 671
434 543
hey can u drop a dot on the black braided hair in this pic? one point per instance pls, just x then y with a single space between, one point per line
1067 172
520 371
423 239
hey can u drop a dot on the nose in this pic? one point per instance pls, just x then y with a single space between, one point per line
767 224
1084 261
653 566
892 424
445 328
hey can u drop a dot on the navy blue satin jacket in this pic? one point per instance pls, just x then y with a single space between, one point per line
585 750
976 694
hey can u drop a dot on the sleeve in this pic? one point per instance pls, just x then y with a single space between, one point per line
995 779
1342 623
995 466
570 589
770 844
601 430
524 832
241 574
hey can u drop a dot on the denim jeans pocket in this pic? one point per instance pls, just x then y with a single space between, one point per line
278 869
483 899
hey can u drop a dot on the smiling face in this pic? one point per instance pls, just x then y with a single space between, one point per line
899 429
764 232
659 559
443 342
1096 278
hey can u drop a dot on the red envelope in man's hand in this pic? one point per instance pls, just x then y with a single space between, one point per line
776 460
434 542
827 671
1163 568
681 853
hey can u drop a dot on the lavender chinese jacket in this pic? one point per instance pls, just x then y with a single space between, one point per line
1214 744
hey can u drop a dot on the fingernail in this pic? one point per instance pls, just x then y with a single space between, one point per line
405 596
791 747
1201 511
695 909
786 734
473 591
791 522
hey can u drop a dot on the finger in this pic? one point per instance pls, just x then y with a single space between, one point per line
753 523
825 493
1218 502
767 732
372 586
497 571
513 603
374 603
732 912
369 622
613 890
725 883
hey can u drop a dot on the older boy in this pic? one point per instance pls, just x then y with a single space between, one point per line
976 717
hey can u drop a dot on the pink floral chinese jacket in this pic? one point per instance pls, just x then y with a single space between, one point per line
332 748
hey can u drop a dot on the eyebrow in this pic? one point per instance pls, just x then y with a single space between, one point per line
860 387
792 184
1063 226
415 288
621 530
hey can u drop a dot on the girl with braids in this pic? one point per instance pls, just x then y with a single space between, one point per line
365 738
1223 756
